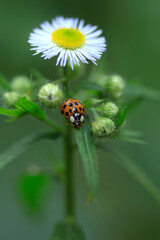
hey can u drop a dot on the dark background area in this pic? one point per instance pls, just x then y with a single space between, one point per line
124 210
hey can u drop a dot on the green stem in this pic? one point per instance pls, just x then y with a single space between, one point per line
69 184
68 158
65 83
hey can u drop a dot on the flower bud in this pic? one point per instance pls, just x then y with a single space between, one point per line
10 98
20 84
115 85
109 109
103 127
50 95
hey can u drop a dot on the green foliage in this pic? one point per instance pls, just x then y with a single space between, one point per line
21 146
121 116
133 105
131 136
88 85
66 231
32 189
135 171
15 113
88 103
31 108
86 147
142 91
102 107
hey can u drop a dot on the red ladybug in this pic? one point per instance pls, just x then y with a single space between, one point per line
73 110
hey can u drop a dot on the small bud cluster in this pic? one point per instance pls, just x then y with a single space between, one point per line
105 124
50 95
20 85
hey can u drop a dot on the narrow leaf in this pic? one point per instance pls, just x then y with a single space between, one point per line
131 140
30 107
133 105
142 91
66 231
88 85
91 102
11 112
37 112
146 182
87 150
21 146
121 116
131 136
131 133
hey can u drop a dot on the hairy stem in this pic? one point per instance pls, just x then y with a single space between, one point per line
68 155
69 184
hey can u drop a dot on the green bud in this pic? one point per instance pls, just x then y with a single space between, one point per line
10 98
114 85
20 84
103 127
109 109
50 95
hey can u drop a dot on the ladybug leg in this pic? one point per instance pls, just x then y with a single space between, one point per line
83 123
67 122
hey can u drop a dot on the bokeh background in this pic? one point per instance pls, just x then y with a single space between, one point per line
124 210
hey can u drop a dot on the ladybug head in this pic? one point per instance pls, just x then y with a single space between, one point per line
77 119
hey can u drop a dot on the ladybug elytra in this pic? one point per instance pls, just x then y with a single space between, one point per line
73 110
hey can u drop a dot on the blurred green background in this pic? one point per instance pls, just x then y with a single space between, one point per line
124 210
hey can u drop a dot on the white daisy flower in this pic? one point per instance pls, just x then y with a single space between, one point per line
68 39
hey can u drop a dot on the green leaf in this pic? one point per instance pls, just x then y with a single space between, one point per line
11 112
142 91
131 136
88 85
31 108
27 107
133 105
21 146
4 83
131 140
32 190
136 172
131 133
66 231
87 150
91 102
121 116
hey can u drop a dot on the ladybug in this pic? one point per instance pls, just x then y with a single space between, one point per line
73 110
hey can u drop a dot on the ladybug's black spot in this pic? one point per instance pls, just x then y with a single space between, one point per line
75 109
70 110
70 104
76 103
80 108
83 109
62 112
64 106
67 113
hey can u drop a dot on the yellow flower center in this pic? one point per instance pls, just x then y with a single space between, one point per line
68 38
